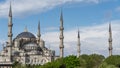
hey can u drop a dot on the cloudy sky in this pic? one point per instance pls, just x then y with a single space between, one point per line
90 16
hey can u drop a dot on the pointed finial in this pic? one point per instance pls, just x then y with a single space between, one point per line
61 17
78 33
39 29
10 10
26 30
39 25
110 27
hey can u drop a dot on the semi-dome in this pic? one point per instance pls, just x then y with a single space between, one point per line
25 35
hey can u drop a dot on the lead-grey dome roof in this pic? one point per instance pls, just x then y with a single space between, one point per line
25 35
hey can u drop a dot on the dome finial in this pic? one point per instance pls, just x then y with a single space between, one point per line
26 30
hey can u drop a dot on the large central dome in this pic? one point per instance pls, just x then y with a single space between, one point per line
25 35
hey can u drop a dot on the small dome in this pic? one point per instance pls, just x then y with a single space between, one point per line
25 35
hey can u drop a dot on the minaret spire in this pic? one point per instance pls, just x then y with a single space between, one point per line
38 34
61 36
110 40
10 11
78 44
10 24
61 17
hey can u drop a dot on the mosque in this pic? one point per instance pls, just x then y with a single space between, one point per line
26 48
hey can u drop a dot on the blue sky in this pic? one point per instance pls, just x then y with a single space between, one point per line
87 15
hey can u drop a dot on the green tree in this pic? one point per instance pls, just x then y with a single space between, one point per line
105 65
113 60
55 64
96 60
91 61
71 61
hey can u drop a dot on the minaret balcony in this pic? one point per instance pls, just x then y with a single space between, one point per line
10 35
110 40
61 37
110 48
10 25
61 46
38 35
61 28
78 51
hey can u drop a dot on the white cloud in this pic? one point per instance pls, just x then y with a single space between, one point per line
94 39
23 7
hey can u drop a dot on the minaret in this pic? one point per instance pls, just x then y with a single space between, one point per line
38 34
110 40
78 45
9 45
61 36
